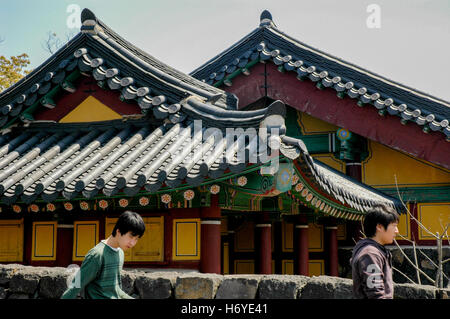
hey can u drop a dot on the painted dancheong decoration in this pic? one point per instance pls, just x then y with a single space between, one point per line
103 127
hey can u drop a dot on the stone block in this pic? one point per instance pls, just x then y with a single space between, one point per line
7 271
150 286
281 286
197 286
413 291
327 287
25 281
128 279
53 284
238 287
444 294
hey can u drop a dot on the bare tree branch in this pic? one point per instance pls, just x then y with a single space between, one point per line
54 43
409 213
405 239
439 277
444 233
420 270
403 274
417 265
425 255
51 44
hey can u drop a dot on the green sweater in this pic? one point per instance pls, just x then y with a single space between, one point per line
99 275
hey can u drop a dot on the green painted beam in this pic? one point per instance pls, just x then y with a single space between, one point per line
27 114
319 143
419 194
236 73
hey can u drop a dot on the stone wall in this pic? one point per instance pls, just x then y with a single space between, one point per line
26 282
401 263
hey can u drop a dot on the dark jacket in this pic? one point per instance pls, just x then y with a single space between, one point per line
372 271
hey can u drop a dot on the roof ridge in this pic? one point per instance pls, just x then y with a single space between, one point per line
42 66
359 68
94 26
328 71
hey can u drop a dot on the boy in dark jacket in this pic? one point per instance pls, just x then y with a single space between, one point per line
371 261
99 275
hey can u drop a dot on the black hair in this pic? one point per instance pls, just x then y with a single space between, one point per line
379 214
130 221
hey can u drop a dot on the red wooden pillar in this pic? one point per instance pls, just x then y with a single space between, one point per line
333 250
64 244
210 238
414 226
264 237
302 252
353 169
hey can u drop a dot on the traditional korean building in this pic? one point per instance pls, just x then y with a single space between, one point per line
379 132
236 168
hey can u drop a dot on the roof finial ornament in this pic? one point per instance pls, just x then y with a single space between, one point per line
266 19
89 22
87 14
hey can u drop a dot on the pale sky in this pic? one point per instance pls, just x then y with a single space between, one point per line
412 45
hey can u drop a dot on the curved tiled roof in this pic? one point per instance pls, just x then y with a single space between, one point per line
114 63
164 148
268 43
53 161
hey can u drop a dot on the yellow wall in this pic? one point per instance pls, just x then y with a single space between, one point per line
404 226
287 236
150 246
315 236
11 240
311 125
316 267
186 239
226 258
244 238
287 267
341 232
434 216
383 163
90 110
44 241
244 266
85 237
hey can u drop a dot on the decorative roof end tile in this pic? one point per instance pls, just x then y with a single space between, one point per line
266 19
89 22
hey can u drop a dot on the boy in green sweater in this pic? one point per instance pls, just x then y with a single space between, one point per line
99 274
